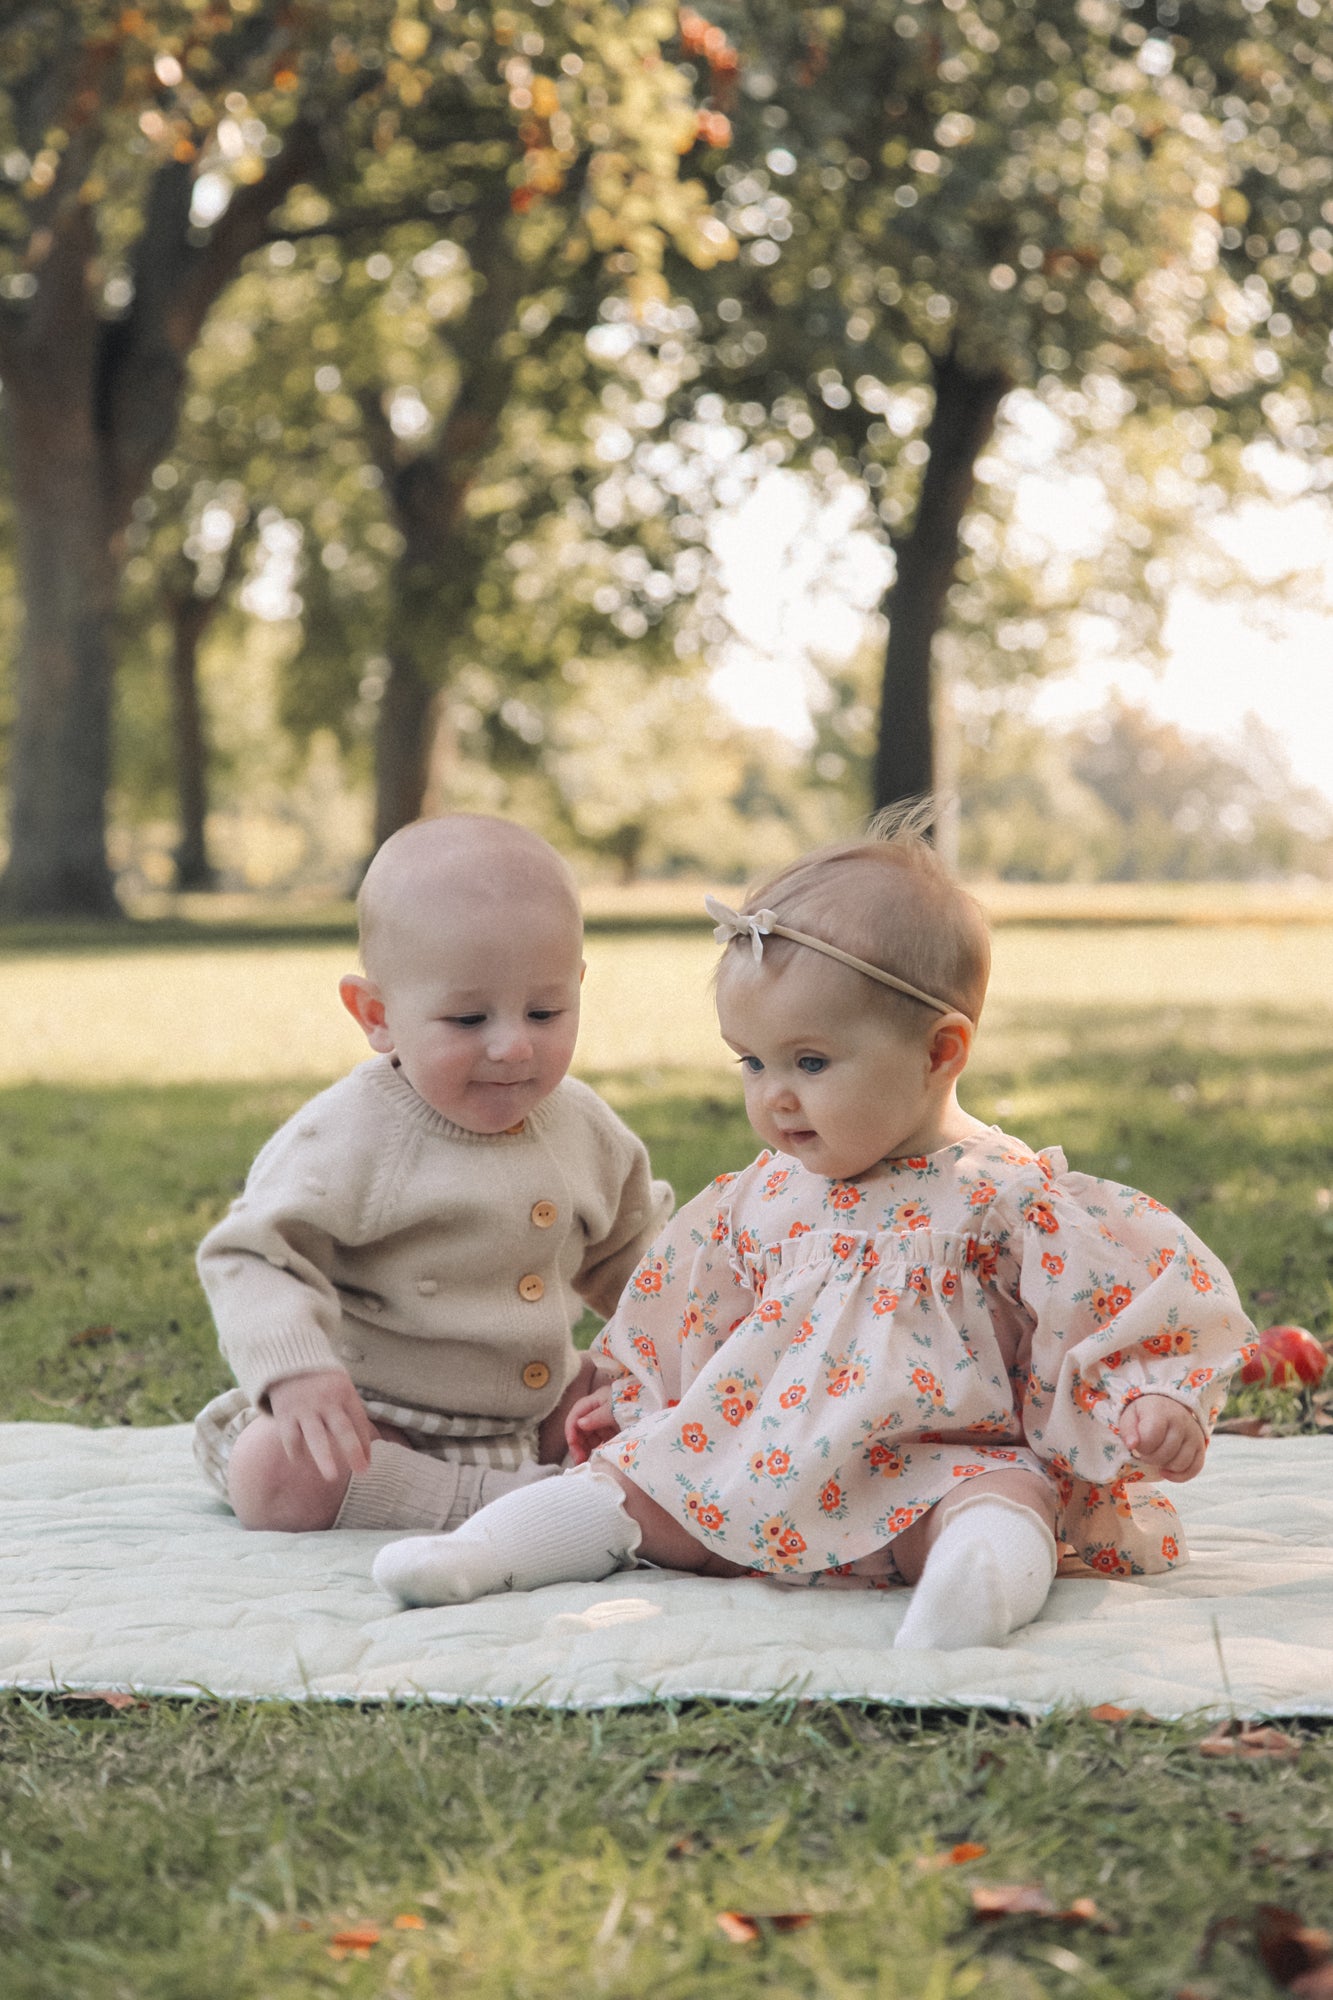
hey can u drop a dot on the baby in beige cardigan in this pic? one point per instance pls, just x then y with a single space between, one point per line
395 1287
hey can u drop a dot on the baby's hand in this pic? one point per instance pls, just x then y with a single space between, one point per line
321 1417
1163 1436
590 1422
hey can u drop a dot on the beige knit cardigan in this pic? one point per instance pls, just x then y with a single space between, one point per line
442 1268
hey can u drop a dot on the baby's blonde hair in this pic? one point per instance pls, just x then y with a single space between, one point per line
892 901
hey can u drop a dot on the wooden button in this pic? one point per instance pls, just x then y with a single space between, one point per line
531 1288
544 1213
536 1375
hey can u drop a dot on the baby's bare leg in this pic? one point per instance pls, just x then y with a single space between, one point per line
982 1560
664 1541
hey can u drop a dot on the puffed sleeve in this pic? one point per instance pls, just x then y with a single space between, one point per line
1123 1301
687 1295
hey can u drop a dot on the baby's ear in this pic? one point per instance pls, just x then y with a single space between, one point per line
365 1003
950 1045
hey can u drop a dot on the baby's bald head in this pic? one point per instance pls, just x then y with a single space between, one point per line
439 875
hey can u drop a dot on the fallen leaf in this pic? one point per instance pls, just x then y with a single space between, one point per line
1011 1899
1248 1739
91 1336
953 1857
1289 1947
742 1928
1029 1899
109 1698
359 1938
1316 1984
407 1920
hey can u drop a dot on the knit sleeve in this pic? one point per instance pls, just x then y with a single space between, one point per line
1125 1301
639 1207
265 1265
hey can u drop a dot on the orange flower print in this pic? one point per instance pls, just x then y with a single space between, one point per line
777 1463
1042 1216
757 1466
691 1321
724 1180
843 1247
705 1513
1106 1304
884 1301
1197 1378
770 1311
628 1393
924 1382
719 1231
1052 1263
902 1517
803 1333
1168 1342
968 1471
982 1195
745 1243
883 1458
1086 1397
840 1195
1108 1561
850 1376
949 1282
645 1348
735 1409
830 1496
919 1280
775 1183
694 1437
648 1278
918 1162
1170 1548
784 1544
791 1545
792 1398
911 1215
1199 1278
870 1258
1159 1263
799 1229
983 1258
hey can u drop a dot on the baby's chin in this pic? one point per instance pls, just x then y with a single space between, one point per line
491 1108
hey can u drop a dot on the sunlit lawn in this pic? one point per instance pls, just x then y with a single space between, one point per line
170 1852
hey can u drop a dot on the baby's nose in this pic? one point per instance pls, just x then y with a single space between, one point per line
509 1041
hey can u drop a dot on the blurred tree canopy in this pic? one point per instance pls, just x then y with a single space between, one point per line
451 328
148 151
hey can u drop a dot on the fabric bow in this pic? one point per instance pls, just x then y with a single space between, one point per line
731 924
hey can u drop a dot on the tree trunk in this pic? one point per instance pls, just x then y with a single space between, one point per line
402 742
190 617
60 756
961 422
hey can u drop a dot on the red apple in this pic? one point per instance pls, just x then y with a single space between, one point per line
1287 1355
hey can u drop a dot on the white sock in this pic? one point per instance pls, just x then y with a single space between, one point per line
568 1530
408 1489
990 1572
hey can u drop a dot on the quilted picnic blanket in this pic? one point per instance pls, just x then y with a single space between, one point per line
119 1570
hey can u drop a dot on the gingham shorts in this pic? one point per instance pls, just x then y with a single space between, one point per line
504 1443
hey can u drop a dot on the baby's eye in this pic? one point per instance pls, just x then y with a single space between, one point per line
465 1020
751 1064
544 1013
812 1064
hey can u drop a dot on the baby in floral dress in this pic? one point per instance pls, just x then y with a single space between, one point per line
900 1346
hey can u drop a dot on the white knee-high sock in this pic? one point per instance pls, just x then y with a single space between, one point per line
403 1488
990 1572
567 1530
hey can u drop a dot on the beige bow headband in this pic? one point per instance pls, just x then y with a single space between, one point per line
731 924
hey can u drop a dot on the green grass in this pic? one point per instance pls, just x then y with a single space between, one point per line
176 1850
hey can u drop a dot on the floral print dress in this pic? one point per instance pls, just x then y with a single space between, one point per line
803 1367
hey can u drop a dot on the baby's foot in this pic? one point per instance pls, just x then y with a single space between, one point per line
565 1530
989 1572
